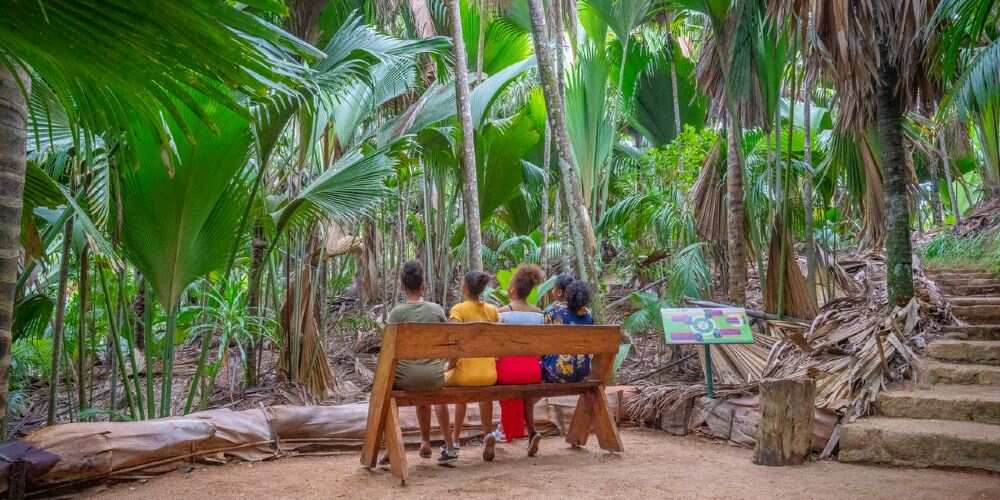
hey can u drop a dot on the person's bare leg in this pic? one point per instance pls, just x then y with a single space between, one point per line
460 409
443 422
534 439
529 415
489 439
424 422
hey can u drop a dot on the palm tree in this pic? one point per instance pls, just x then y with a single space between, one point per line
585 243
470 190
13 136
103 79
727 73
893 38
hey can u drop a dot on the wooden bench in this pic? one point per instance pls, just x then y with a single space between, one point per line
469 340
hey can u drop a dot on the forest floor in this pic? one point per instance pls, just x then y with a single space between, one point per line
654 465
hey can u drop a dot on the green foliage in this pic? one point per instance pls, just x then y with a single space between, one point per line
981 251
117 61
223 312
181 216
679 162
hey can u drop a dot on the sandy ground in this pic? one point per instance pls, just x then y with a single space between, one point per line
655 465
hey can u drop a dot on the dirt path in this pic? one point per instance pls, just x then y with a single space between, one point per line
655 465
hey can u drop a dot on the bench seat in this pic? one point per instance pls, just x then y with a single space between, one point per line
452 395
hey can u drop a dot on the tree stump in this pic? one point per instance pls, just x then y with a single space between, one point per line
784 435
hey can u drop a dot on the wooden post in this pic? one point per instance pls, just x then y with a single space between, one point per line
784 435
16 480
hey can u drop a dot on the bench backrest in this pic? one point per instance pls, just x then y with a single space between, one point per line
469 340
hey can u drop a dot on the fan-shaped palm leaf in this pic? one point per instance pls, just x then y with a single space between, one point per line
345 192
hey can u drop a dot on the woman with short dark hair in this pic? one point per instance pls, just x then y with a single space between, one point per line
422 374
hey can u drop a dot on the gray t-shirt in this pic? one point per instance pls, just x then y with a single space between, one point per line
419 374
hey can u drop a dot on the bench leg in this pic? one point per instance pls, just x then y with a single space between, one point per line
580 424
378 403
604 425
394 442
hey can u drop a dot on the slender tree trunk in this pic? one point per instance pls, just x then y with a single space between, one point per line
935 195
807 190
424 24
543 252
583 230
257 249
946 163
470 191
81 335
57 326
148 335
13 143
429 232
899 257
737 251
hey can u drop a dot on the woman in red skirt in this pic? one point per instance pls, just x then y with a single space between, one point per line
517 414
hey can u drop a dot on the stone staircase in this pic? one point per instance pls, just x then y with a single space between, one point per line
952 417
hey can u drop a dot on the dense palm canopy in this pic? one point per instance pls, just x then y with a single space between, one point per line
185 161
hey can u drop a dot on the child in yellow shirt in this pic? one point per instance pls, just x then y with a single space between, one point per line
474 371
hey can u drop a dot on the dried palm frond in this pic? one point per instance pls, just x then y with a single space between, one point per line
708 197
651 401
843 39
796 299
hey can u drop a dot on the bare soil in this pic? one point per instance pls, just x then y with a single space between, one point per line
655 465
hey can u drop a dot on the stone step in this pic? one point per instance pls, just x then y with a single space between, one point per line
972 332
921 443
961 275
979 314
982 300
955 281
969 290
975 403
937 372
984 352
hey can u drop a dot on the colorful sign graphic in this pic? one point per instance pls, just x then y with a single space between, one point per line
706 326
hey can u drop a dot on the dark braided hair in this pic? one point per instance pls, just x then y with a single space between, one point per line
577 295
563 281
476 282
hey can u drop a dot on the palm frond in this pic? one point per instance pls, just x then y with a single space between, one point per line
344 193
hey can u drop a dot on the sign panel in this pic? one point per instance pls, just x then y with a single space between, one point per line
706 326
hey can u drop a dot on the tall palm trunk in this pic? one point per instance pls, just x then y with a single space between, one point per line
57 327
543 253
424 24
737 238
583 231
807 189
946 164
13 139
899 257
470 190
81 335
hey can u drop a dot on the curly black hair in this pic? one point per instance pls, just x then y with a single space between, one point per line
563 281
412 276
577 295
476 282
